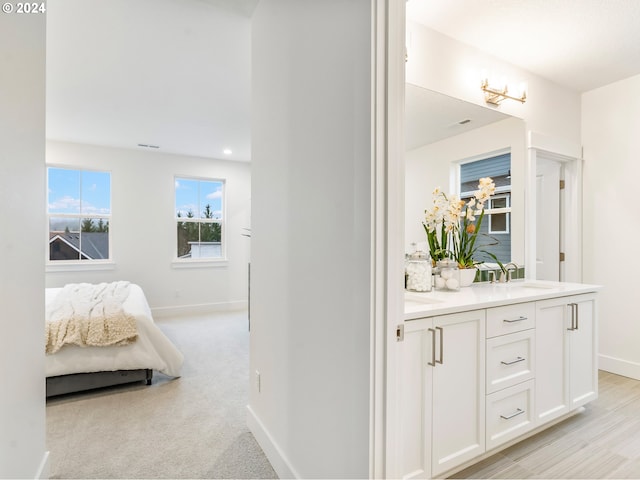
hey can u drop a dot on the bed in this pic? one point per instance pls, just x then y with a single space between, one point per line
74 368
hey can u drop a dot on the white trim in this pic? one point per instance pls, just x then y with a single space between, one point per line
200 263
389 263
274 453
619 366
198 309
497 211
377 336
79 266
560 146
43 469
571 201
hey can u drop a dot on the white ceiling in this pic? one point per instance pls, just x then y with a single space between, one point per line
176 73
580 44
168 73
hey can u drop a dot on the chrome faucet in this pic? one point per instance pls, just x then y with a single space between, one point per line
508 271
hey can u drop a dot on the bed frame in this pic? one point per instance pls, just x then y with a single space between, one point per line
79 382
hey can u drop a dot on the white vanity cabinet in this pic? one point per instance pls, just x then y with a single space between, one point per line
478 374
442 393
566 363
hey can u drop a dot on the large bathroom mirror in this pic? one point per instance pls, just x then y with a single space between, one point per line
450 143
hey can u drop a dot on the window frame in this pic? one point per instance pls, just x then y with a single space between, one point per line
501 210
79 264
182 262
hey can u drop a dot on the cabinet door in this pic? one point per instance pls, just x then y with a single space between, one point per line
583 372
566 362
552 359
458 427
414 400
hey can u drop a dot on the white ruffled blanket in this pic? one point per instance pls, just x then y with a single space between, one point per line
87 314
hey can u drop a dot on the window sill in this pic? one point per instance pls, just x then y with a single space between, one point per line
75 267
218 263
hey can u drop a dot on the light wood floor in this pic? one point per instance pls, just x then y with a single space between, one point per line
601 442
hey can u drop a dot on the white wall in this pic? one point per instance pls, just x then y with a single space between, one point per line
442 64
311 245
430 166
22 150
610 126
143 228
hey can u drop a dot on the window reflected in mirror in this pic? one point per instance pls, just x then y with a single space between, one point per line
494 235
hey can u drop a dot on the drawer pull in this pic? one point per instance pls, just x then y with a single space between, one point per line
519 319
518 411
517 360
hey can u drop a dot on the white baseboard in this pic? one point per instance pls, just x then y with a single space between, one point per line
619 366
43 469
199 309
278 460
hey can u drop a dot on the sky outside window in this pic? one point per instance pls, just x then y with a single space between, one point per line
74 191
194 195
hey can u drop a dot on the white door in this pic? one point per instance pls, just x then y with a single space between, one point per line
547 219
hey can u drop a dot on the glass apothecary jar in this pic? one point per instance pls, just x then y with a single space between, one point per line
418 269
447 275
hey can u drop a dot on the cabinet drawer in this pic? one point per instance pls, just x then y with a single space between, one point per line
510 413
510 360
510 319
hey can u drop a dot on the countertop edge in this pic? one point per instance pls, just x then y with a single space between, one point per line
485 295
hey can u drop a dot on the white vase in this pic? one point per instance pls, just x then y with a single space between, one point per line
467 275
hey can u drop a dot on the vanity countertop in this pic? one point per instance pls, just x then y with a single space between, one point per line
485 294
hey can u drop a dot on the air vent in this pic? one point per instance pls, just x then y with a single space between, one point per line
144 145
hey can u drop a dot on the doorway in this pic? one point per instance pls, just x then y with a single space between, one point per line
556 219
548 187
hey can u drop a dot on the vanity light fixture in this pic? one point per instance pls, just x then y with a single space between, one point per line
494 95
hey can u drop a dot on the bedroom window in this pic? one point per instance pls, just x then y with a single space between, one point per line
199 218
79 214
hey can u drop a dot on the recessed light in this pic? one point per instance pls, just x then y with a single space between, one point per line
227 151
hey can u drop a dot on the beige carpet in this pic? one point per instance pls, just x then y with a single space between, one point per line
191 427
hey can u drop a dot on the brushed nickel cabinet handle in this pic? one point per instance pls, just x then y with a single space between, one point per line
518 411
441 345
519 319
574 314
433 348
517 360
